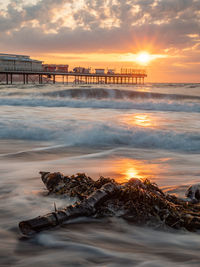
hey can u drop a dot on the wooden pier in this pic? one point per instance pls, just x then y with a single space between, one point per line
135 77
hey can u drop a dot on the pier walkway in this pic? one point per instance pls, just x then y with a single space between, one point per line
135 77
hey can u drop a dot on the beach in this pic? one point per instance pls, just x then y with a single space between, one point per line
118 131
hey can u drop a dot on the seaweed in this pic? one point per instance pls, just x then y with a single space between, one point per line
139 201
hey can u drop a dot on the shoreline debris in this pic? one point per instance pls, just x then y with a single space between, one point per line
139 201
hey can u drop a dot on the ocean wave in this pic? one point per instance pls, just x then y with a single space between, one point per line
96 93
98 134
147 104
116 94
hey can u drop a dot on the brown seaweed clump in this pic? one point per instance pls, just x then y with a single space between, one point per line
139 201
79 185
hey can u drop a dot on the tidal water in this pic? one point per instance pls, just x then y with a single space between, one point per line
148 131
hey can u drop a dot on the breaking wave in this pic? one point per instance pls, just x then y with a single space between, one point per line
96 93
100 98
104 135
159 105
115 93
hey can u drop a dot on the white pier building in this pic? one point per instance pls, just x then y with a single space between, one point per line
10 62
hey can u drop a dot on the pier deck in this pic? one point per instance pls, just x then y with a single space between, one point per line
79 78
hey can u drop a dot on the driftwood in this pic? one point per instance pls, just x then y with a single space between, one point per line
137 201
85 208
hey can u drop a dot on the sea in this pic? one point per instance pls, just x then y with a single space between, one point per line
119 131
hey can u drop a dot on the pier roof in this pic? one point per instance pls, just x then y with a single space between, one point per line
18 58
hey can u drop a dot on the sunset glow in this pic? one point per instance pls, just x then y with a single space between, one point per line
163 37
132 173
143 58
132 168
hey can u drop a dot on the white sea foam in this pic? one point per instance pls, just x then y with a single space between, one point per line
28 115
151 104
101 98
101 134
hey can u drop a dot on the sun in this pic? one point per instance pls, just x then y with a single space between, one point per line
143 58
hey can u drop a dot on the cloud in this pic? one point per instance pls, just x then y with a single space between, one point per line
100 25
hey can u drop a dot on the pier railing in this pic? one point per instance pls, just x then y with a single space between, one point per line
127 76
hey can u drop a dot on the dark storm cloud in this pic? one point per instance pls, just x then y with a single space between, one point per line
100 25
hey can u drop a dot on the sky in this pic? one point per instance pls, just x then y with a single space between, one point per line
107 33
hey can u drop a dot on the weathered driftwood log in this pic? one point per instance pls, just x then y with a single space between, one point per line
136 200
85 208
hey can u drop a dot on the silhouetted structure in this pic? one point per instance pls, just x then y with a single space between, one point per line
28 70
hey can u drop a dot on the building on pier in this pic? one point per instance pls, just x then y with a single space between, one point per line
100 71
81 70
49 67
11 62
62 68
55 67
111 71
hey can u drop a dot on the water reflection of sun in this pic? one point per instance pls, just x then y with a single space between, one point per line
132 173
127 168
130 168
142 120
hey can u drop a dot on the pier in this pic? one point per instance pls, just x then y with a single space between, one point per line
132 76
